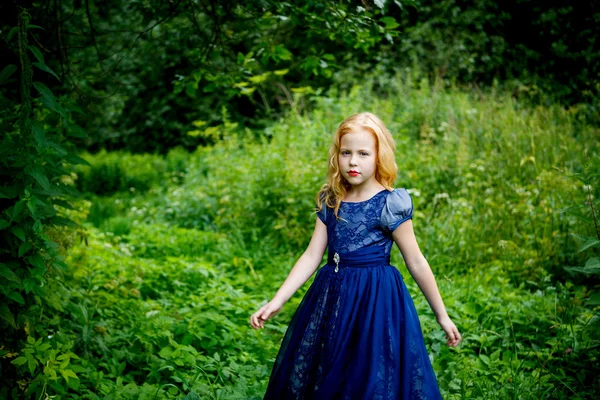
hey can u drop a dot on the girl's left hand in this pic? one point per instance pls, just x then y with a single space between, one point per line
452 333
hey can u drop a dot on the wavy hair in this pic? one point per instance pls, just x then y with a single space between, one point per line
332 192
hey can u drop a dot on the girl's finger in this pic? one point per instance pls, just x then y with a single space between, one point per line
456 335
261 319
255 319
451 336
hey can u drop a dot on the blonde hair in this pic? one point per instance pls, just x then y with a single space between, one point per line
332 192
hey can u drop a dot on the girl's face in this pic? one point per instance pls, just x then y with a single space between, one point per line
357 158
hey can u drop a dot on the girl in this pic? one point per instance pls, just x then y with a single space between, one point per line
356 333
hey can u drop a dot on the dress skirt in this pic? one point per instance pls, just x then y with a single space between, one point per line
355 335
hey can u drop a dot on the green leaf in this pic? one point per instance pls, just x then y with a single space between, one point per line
38 227
594 299
75 130
24 248
47 69
592 266
31 206
281 53
37 261
38 132
6 315
7 72
29 284
590 242
259 78
48 99
54 106
44 91
62 221
59 265
485 359
18 208
63 203
75 108
16 296
8 192
74 159
4 224
37 53
11 33
39 175
390 22
67 373
7 273
18 232
191 89
44 347
59 149
19 361
31 363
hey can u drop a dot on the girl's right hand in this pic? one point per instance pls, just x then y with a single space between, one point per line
452 334
266 312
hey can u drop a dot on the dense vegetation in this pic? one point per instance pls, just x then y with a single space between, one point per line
133 275
144 71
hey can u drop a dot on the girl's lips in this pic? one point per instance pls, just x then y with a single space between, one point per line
353 173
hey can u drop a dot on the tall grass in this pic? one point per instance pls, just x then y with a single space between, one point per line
492 187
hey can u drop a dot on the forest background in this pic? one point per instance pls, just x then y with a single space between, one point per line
160 161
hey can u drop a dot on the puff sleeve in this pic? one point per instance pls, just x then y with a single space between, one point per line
322 214
398 208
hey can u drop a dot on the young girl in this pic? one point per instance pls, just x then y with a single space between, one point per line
356 333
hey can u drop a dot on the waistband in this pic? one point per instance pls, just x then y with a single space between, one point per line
363 257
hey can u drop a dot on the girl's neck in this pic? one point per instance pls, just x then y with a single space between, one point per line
358 192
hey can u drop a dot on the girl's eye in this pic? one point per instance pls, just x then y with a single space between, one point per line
364 154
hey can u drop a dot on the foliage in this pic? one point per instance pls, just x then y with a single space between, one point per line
157 303
36 223
152 75
182 248
538 46
184 59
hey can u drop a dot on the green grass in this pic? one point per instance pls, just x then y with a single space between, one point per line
182 249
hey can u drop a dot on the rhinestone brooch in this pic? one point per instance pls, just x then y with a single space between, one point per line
336 258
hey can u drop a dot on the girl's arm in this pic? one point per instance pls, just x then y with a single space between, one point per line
418 266
420 270
302 270
306 265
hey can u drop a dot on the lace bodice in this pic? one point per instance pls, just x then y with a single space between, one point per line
367 223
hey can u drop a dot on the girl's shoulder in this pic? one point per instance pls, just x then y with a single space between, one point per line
397 208
401 191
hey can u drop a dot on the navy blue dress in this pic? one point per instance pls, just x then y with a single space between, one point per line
356 333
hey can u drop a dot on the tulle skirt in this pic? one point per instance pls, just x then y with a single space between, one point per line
355 335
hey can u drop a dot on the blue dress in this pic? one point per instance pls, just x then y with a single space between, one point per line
356 333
